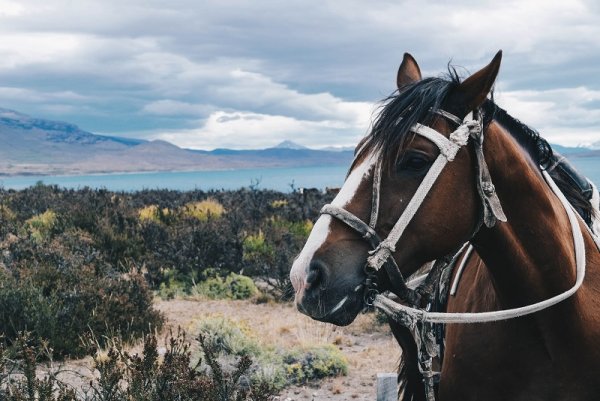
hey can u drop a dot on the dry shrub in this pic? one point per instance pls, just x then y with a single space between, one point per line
157 374
204 210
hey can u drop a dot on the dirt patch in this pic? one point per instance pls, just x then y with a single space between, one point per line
369 347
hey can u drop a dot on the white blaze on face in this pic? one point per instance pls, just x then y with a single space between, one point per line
321 229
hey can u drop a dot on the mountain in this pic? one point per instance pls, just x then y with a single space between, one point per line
577 152
43 147
289 145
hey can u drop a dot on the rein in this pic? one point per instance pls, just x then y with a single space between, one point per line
416 315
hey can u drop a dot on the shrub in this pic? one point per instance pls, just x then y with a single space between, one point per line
149 213
275 366
279 203
204 210
153 213
226 336
6 213
234 286
255 231
122 376
61 296
41 225
18 378
315 362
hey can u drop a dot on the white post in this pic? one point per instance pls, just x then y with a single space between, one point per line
387 387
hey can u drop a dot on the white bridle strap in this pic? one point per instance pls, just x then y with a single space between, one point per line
392 308
375 196
388 246
448 147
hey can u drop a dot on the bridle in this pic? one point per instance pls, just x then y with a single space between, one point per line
382 250
415 313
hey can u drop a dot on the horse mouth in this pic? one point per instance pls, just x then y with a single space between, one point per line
341 314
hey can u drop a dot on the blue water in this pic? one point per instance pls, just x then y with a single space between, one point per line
589 166
280 179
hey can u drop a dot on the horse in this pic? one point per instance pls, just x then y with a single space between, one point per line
522 236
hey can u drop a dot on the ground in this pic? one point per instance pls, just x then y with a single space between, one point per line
369 347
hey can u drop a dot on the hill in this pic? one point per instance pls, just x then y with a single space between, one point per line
38 146
34 146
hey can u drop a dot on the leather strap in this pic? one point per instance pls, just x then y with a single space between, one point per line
492 208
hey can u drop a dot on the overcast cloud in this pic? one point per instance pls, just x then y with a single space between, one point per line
246 74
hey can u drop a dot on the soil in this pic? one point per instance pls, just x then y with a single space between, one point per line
369 346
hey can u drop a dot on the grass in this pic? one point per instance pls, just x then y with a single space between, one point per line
204 210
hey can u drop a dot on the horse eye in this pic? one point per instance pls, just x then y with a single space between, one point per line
415 162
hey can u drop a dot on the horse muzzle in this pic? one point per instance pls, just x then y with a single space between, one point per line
322 298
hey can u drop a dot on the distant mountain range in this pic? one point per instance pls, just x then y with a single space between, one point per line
42 147
37 146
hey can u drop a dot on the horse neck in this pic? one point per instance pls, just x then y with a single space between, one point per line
531 256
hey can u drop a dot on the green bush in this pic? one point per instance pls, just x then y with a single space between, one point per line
63 297
316 362
278 367
226 336
234 286
41 225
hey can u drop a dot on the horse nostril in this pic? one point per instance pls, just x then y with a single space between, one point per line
317 273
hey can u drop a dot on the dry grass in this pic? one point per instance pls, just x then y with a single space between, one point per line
204 210
153 213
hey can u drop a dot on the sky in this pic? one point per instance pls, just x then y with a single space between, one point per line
250 74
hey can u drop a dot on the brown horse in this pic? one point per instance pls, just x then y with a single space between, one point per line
553 354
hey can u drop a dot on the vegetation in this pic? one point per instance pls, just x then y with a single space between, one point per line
277 367
155 375
82 265
231 365
173 238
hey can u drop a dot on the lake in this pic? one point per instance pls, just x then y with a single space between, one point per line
280 179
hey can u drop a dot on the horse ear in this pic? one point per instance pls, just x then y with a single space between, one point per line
409 71
472 92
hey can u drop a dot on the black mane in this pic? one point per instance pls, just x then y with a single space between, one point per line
541 152
401 110
415 102
537 147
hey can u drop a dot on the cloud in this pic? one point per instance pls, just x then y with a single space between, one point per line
252 130
568 116
169 107
150 67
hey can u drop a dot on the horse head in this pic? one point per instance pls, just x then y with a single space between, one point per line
391 163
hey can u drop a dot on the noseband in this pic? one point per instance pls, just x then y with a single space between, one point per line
382 250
